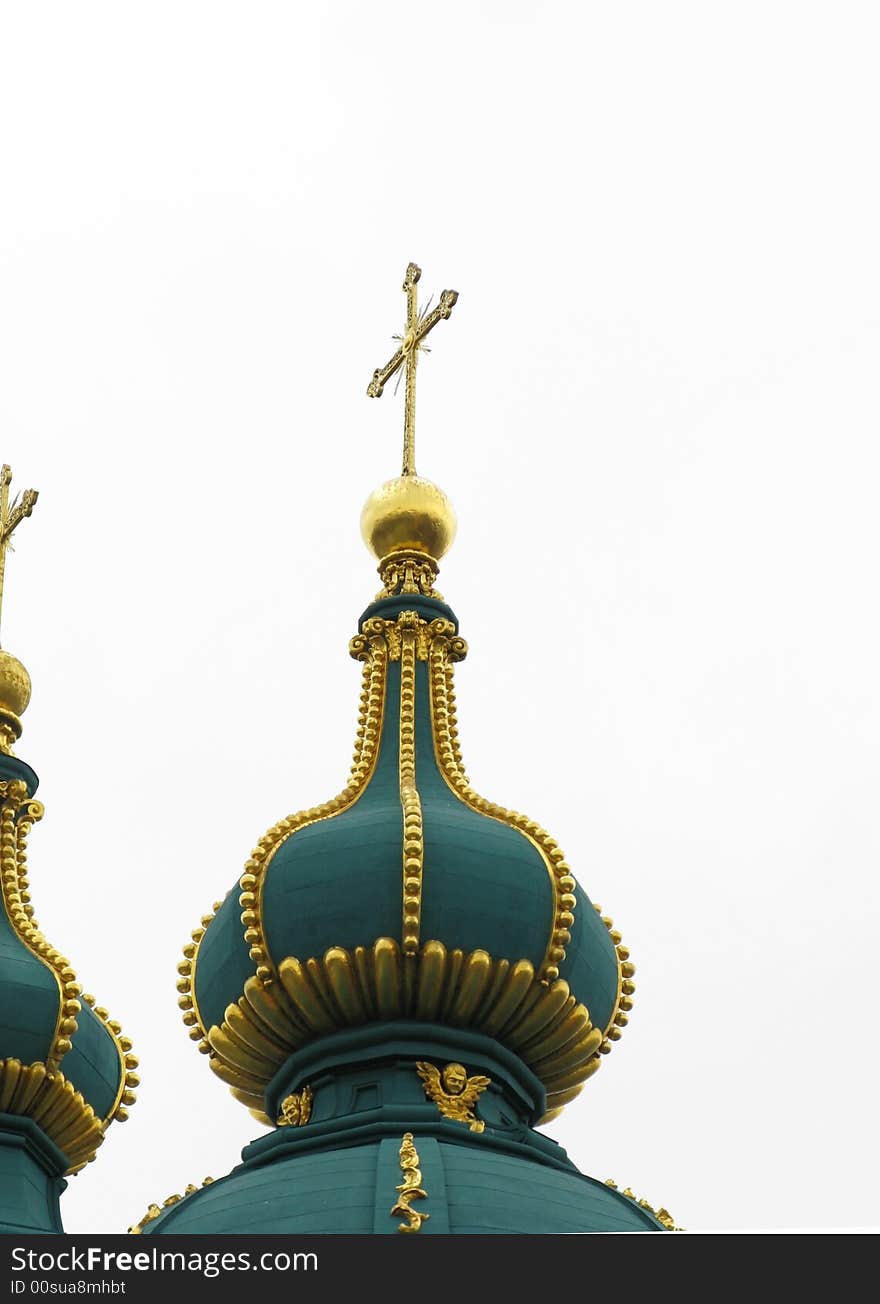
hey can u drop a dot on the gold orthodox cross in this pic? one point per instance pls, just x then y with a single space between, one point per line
411 342
10 517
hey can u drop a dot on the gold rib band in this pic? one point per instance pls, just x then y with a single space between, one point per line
410 801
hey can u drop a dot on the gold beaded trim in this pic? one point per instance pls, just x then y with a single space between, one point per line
662 1215
625 986
448 755
449 760
18 814
186 982
154 1210
410 801
370 650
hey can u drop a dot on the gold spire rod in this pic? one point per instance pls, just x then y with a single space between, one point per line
417 327
10 517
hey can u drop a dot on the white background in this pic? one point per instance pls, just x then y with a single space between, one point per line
656 410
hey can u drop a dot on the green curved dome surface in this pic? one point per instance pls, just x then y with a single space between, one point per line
30 999
469 1191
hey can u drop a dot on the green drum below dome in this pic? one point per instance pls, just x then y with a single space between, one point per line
31 1181
336 1163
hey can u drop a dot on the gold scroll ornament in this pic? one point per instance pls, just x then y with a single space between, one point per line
410 1188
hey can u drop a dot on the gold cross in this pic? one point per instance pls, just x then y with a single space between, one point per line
10 517
417 327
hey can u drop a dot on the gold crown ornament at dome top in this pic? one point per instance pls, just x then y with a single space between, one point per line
553 984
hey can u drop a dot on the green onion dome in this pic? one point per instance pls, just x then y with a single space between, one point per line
66 1071
408 896
64 1064
406 979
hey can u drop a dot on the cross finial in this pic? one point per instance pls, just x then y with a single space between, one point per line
411 343
10 517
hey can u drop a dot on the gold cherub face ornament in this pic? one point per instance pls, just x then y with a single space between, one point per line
454 1078
453 1092
296 1109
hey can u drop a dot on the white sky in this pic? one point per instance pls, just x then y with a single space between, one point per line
656 410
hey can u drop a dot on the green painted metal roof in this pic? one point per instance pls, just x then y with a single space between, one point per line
470 1190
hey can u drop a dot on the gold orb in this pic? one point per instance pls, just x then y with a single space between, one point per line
408 514
15 684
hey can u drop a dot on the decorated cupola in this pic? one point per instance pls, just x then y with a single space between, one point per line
66 1070
407 978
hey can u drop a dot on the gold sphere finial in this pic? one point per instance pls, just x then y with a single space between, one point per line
15 693
408 514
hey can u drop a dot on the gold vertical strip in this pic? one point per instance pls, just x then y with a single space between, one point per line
410 1188
411 805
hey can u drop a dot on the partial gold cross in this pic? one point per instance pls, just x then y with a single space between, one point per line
10 517
417 327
